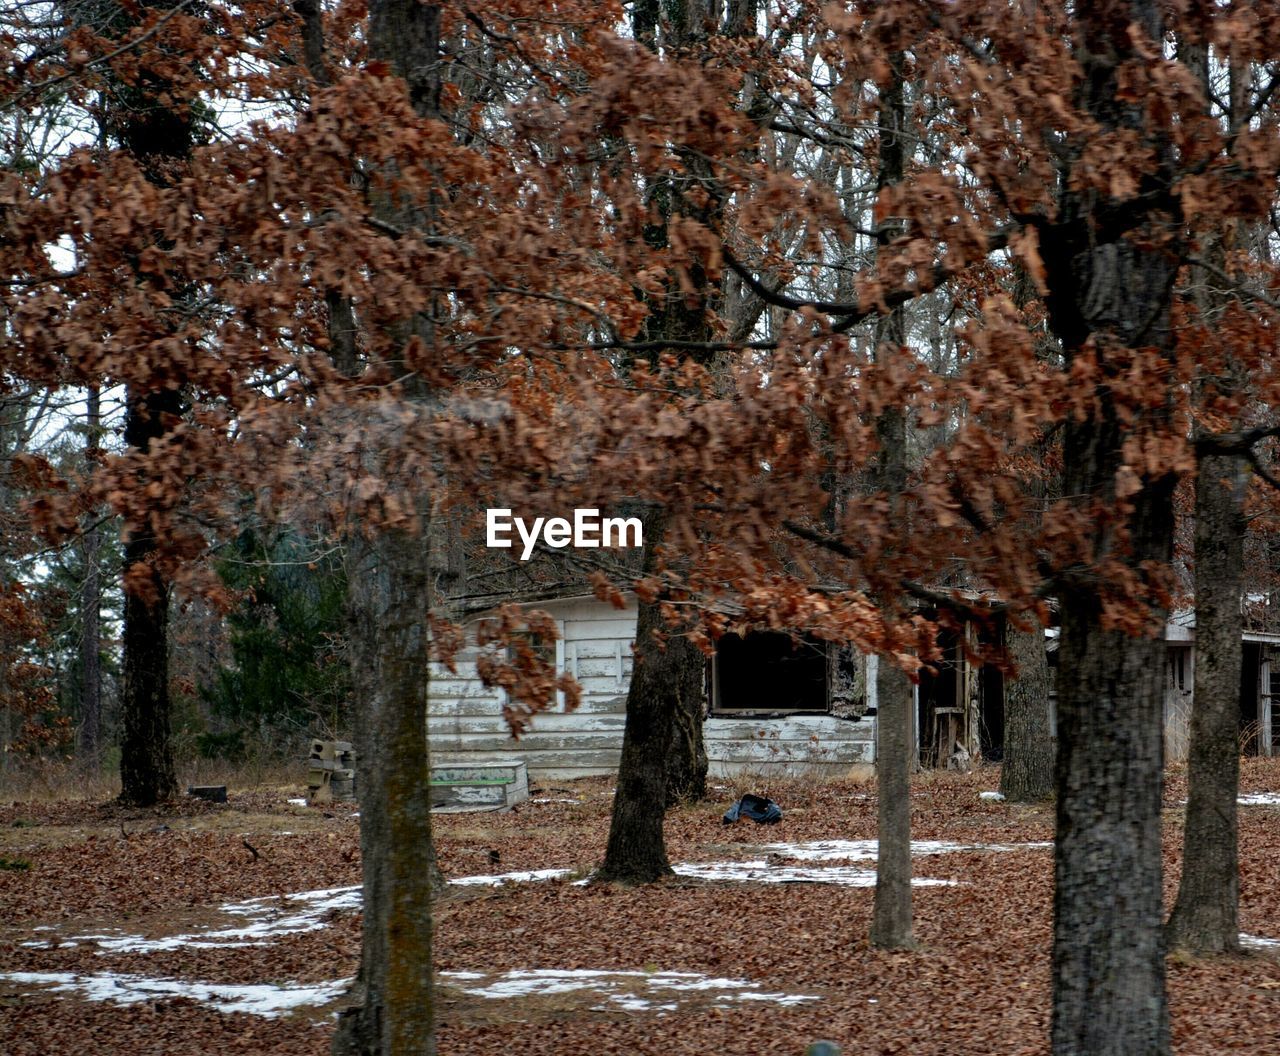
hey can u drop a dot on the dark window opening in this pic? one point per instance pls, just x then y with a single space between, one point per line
770 672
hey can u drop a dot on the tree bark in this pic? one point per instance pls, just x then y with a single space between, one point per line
91 608
389 598
678 315
636 852
1110 274
1205 918
891 926
1108 948
157 130
686 777
147 772
1026 773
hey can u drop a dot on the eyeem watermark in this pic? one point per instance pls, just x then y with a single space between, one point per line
587 530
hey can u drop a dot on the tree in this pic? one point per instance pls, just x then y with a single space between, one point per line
91 604
1097 210
1026 772
1205 916
153 118
895 721
636 852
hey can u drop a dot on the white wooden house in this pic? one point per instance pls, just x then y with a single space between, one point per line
772 704
1259 686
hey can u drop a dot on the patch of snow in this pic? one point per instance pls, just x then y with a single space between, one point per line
298 802
1260 799
275 916
1259 943
860 850
620 987
554 799
503 878
760 871
996 797
258 1000
763 871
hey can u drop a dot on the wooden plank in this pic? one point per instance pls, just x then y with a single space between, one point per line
446 706
595 648
599 612
541 759
600 685
547 722
793 727
596 667
531 741
790 751
591 704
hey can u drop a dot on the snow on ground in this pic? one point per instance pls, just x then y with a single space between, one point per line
1258 943
777 869
631 991
1260 799
259 1000
511 878
763 872
271 917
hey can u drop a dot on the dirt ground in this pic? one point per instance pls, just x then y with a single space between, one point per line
190 929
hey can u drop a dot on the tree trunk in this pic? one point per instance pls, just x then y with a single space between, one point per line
1108 948
147 773
389 597
891 915
154 124
1111 273
636 853
91 609
686 772
1026 773
1205 918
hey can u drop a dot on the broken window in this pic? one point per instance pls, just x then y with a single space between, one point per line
767 671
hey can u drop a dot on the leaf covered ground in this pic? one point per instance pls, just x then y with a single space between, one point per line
137 932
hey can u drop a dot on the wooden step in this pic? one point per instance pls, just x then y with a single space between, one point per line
478 786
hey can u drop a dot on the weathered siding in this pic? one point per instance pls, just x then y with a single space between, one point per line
799 742
465 719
